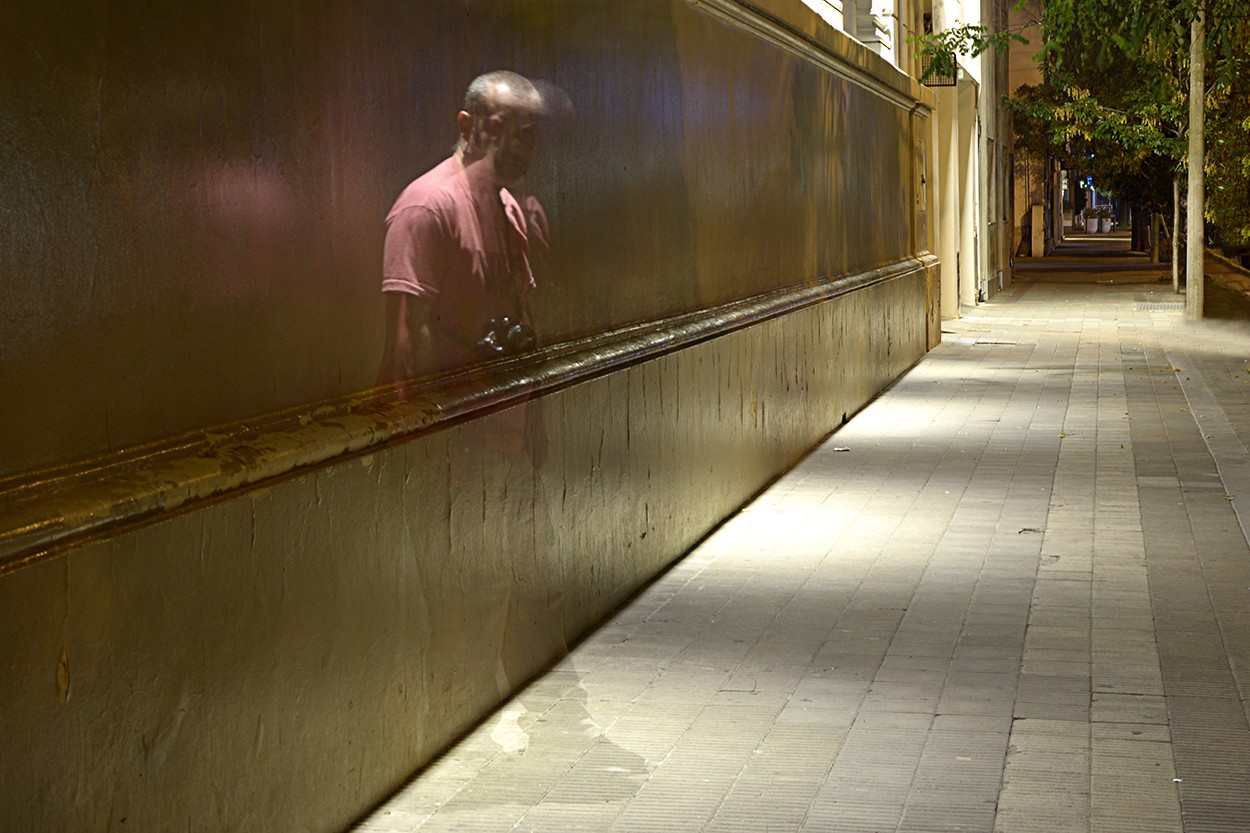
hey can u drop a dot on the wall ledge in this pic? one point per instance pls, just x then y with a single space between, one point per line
51 511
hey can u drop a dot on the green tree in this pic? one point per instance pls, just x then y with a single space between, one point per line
1117 96
1228 147
1187 58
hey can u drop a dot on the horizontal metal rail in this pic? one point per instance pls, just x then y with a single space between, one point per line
51 511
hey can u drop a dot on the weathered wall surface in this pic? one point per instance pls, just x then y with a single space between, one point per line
193 245
193 221
281 660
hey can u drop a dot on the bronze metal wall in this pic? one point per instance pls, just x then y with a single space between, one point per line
194 197
314 602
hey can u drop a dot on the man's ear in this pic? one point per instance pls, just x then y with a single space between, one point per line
464 123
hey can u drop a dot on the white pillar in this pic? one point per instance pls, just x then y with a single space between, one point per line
948 198
969 180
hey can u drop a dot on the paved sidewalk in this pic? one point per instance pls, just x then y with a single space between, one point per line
1019 602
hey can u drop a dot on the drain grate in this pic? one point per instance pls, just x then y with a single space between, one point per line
1165 306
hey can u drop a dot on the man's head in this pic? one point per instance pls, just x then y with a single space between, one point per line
499 124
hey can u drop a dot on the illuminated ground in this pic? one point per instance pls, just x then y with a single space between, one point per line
1020 601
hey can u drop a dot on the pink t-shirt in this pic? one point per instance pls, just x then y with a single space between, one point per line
459 242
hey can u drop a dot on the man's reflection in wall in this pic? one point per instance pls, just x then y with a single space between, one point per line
456 264
458 269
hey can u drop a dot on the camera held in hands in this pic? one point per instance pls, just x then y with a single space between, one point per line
506 336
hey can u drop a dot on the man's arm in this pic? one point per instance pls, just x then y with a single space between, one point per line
407 353
410 273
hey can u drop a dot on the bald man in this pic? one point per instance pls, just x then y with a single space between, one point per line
457 252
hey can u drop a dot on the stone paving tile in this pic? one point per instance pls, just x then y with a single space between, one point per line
1020 603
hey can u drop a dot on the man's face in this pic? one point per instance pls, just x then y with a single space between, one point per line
504 136
514 143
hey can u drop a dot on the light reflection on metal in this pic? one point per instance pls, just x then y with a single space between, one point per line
234 217
42 516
